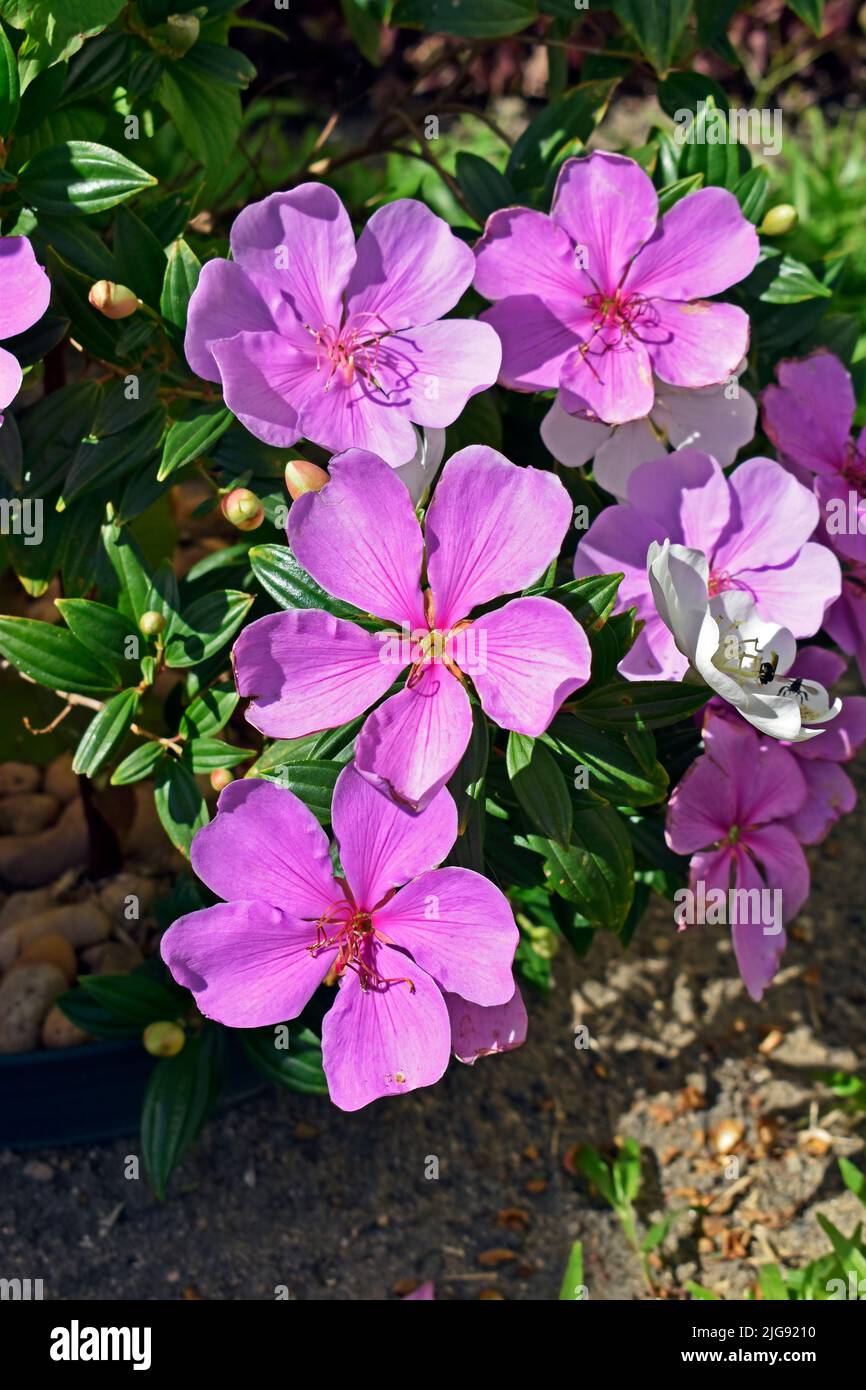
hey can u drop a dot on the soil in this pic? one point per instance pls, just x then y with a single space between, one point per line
287 1196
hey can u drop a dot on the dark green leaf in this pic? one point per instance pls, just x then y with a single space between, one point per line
540 787
54 657
80 177
680 188
209 712
477 19
105 733
656 26
298 1066
190 438
179 1095
181 278
207 754
312 781
9 86
139 256
558 127
612 769
289 585
138 764
482 185
179 803
630 704
810 11
206 626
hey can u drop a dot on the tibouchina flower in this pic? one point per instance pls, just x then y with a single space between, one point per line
845 622
257 958
491 529
753 527
809 416
726 813
734 651
831 791
314 337
26 291
718 420
603 295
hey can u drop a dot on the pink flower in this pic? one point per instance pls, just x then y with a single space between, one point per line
831 793
315 338
401 957
602 294
491 529
727 813
25 296
753 527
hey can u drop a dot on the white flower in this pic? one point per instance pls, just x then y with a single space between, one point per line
711 419
730 648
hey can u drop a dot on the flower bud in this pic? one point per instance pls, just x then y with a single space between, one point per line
220 777
151 623
182 31
779 221
114 301
242 508
302 477
163 1039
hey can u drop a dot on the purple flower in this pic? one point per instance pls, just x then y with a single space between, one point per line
753 527
602 294
491 529
845 621
831 793
288 921
726 813
315 338
26 292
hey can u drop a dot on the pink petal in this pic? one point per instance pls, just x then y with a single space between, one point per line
845 735
758 952
434 370
360 539
413 742
532 656
479 1032
308 228
696 344
830 795
357 414
783 865
411 269
627 448
718 420
11 376
703 245
386 1039
571 440
537 339
263 845
701 809
304 670
525 253
265 378
459 928
383 844
608 205
772 518
612 375
653 656
808 415
618 540
689 498
248 964
766 780
822 665
26 287
425 1293
492 528
797 595
225 302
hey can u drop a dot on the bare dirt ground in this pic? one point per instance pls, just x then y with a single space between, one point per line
285 1192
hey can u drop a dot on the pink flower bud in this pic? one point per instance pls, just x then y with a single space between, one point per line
220 777
114 301
242 508
302 477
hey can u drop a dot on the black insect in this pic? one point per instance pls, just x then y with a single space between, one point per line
794 687
767 672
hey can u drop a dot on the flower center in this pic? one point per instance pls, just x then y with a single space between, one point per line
351 351
720 583
618 313
352 932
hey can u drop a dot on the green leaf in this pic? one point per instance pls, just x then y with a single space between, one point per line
139 256
179 1095
312 780
209 712
105 733
590 1162
573 1288
699 1293
206 112
612 768
780 279
101 461
477 19
482 185
590 601
480 422
810 11
190 438
55 30
540 787
708 149
9 87
558 127
289 584
206 626
207 754
104 630
632 704
683 91
772 1284
853 1179
80 177
656 26
752 191
179 803
680 188
54 657
847 1249
596 871
129 565
713 18
297 1067
135 1000
466 784
181 278
364 26
140 763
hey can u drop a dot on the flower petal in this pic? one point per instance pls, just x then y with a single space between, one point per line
341 414
459 928
608 205
537 339
26 287
766 779
479 1032
413 742
612 376
627 448
264 845
701 809
302 243
360 539
532 655
718 420
758 945
225 302
572 440
523 252
492 528
808 415
265 379
697 344
11 377
304 671
688 498
383 844
783 865
247 964
386 1039
772 517
411 269
702 245
830 795
797 595
433 370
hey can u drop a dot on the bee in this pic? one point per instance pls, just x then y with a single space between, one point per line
767 670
